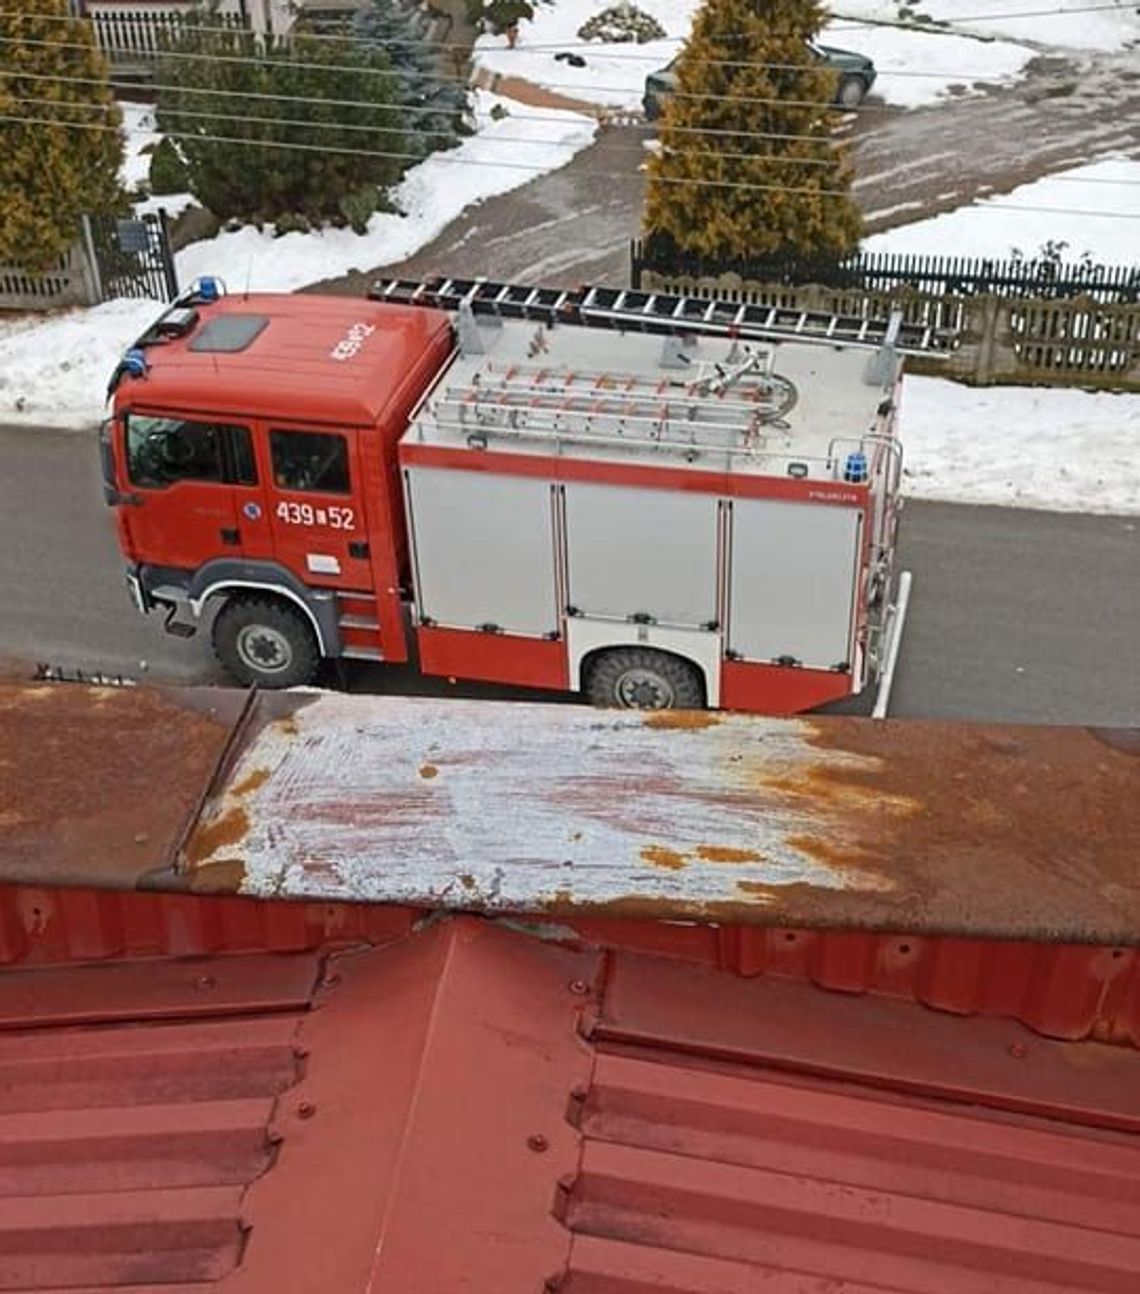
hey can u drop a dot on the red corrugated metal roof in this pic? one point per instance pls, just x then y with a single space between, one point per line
1061 990
470 1108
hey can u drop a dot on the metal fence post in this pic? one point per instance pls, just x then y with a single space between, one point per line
169 270
94 278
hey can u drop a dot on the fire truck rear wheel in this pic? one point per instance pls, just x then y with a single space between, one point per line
639 678
265 641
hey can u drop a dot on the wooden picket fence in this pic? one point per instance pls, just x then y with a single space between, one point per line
1013 323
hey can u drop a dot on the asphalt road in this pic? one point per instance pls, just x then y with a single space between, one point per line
1016 616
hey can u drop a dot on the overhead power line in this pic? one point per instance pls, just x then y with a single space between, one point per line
989 205
403 109
448 157
840 24
785 159
521 117
394 75
776 159
460 82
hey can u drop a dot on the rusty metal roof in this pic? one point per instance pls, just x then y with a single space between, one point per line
841 823
471 1108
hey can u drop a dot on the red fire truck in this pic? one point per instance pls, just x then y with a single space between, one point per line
658 501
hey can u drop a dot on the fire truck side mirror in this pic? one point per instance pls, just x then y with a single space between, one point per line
111 493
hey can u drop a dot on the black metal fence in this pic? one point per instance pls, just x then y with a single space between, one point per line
1043 278
133 257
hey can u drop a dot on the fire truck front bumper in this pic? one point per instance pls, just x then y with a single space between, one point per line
153 590
136 591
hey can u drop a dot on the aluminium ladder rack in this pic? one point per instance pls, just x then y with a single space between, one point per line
625 409
661 313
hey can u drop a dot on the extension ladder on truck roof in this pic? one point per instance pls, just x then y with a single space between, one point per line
659 312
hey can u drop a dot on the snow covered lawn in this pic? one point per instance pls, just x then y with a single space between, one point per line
141 137
1024 447
1093 209
915 66
54 372
1073 24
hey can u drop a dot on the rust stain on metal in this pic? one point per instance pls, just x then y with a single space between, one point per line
652 907
89 773
661 856
208 837
724 854
693 720
222 876
966 820
429 771
249 783
824 851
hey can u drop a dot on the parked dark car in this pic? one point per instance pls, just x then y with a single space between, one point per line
856 76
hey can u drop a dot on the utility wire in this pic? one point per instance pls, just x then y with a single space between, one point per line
778 159
693 130
404 110
839 24
401 108
396 74
415 157
391 75
604 175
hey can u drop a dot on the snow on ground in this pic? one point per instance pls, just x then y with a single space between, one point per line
1023 447
1102 200
140 137
1076 24
503 155
54 372
614 73
915 67
139 134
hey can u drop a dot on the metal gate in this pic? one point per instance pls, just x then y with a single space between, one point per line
132 257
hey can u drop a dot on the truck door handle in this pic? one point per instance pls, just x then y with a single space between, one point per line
230 535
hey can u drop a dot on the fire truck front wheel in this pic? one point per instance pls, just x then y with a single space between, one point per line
265 641
639 678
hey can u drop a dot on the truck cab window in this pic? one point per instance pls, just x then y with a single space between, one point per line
162 451
312 461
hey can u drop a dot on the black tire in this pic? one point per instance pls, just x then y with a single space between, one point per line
265 641
851 93
640 678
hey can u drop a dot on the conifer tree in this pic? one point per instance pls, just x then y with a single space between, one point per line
62 148
748 70
437 102
333 99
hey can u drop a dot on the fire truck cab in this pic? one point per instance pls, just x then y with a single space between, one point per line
659 517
